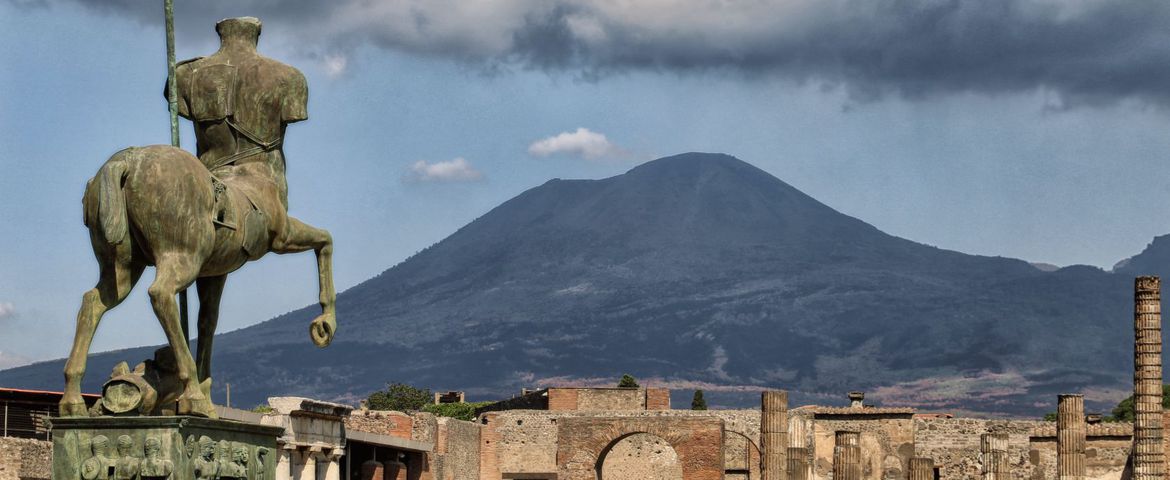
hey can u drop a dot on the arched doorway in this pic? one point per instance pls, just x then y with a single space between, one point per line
741 457
639 456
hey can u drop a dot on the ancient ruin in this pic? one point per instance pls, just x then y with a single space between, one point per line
1148 460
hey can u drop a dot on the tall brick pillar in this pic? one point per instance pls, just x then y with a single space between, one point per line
774 434
921 468
993 448
1070 437
847 456
797 449
1148 460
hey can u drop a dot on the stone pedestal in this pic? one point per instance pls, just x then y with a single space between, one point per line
162 448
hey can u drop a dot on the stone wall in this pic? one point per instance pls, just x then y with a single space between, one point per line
611 399
953 444
394 424
583 442
523 443
456 455
25 459
887 443
641 456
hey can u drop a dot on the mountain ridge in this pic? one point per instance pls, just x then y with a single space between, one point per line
695 268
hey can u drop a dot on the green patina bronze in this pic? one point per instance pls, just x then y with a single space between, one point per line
196 219
162 448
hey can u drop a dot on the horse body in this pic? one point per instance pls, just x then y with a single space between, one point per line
160 206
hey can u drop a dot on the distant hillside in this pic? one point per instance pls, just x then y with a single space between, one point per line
697 269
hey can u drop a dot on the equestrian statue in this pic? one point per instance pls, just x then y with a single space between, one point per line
197 219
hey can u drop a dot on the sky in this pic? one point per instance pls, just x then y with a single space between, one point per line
1033 129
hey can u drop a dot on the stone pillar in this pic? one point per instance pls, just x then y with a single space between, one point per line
1070 437
847 456
372 470
797 449
284 462
333 468
774 434
308 470
993 448
921 468
1148 462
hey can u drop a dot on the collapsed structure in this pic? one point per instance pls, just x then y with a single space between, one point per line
632 433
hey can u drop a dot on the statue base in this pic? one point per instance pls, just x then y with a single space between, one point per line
162 448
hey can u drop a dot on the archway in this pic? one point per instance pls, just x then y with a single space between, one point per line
741 457
639 456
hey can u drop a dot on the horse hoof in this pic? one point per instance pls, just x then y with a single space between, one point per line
322 329
196 407
73 409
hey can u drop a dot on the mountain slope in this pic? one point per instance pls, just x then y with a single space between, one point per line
695 268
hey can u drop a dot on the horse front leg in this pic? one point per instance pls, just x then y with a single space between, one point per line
300 237
210 291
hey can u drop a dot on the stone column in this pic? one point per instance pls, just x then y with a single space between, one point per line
993 448
921 468
1070 437
284 462
774 434
308 467
1148 462
847 456
333 468
797 449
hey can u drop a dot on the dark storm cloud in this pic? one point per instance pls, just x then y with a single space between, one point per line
1085 52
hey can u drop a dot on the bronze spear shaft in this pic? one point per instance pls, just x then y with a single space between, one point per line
173 106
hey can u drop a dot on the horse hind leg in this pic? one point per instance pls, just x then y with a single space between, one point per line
300 237
210 291
174 272
117 278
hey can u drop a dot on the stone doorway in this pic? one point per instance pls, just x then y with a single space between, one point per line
639 456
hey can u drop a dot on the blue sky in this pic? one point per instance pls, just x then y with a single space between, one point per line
425 115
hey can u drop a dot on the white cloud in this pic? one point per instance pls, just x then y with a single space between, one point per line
335 65
451 171
582 143
7 309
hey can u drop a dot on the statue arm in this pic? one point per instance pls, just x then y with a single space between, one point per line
182 73
295 99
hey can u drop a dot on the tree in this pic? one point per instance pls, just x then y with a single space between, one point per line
461 411
699 403
627 381
400 397
1123 412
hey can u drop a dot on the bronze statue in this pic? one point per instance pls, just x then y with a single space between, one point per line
153 466
127 466
198 219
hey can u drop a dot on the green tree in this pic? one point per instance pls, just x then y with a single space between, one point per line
699 403
627 381
1123 412
400 397
1050 417
460 411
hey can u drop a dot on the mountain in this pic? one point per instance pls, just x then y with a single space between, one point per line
697 271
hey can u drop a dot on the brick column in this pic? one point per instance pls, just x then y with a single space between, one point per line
921 468
847 456
1148 461
1070 437
797 449
774 434
993 448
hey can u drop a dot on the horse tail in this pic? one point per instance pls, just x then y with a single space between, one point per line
111 199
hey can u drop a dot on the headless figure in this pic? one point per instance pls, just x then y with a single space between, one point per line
240 101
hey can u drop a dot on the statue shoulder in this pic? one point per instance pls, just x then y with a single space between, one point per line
294 92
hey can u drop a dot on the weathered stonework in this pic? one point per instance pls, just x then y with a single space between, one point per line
774 434
921 468
1148 456
25 459
1070 437
847 456
993 448
583 443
